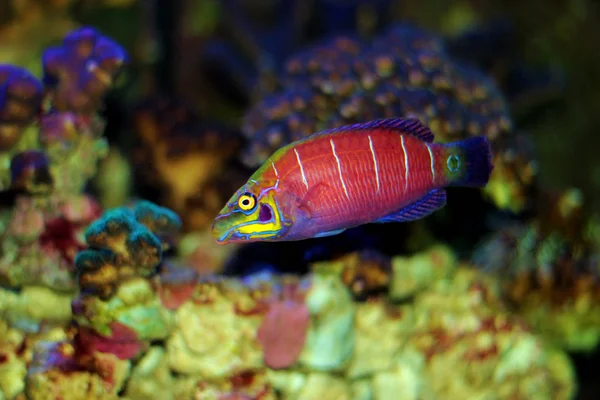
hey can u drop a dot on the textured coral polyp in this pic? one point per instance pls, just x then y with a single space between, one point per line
121 246
98 272
405 71
159 220
80 72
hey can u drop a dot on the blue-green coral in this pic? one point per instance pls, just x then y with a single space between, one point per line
123 243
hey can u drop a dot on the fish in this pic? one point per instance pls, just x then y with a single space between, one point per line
381 171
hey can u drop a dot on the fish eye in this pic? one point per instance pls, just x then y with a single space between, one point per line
247 202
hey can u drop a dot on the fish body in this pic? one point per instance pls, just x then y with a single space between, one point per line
381 171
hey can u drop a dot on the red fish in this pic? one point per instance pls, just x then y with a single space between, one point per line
376 172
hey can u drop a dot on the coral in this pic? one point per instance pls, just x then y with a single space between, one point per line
228 342
246 385
414 274
12 367
41 238
134 304
116 313
330 338
20 99
33 306
404 72
188 160
283 331
80 72
366 274
16 352
124 252
151 377
65 126
30 172
455 338
51 140
549 270
287 337
199 251
121 247
57 373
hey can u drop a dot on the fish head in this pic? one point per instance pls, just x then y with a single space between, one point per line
254 213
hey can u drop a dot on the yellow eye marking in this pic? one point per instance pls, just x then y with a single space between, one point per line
247 202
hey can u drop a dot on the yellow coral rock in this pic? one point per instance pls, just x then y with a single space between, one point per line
330 339
151 378
212 341
36 303
415 273
380 334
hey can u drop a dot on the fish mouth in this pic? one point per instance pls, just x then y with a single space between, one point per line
221 233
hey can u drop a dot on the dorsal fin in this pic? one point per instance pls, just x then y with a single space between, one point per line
411 126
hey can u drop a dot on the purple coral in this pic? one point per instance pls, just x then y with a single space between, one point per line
404 72
79 73
30 172
20 99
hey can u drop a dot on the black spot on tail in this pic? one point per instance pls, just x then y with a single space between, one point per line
477 158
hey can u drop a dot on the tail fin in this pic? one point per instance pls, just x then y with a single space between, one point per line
476 156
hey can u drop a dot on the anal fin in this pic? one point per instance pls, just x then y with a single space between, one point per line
330 233
431 202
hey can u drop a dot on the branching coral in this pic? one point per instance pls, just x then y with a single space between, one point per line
77 76
80 72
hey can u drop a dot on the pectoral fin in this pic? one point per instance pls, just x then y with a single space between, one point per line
433 201
312 198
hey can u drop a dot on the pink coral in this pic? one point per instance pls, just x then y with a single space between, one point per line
60 235
123 341
282 333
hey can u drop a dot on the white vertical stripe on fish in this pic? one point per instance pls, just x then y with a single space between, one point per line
337 159
405 164
375 165
301 169
432 162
